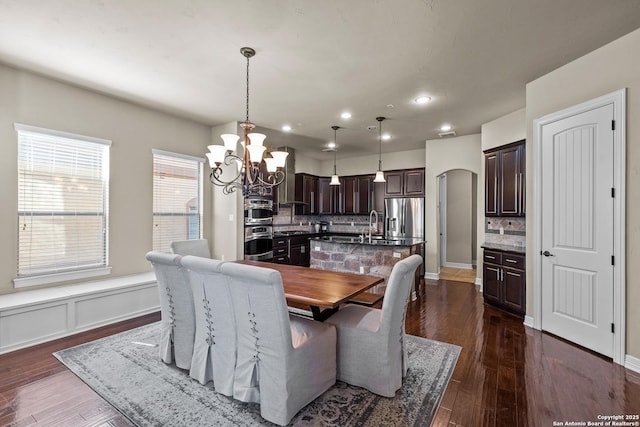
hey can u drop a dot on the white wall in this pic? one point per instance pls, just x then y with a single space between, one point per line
134 130
614 66
443 155
369 164
459 217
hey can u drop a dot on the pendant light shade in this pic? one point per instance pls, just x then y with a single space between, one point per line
335 179
379 174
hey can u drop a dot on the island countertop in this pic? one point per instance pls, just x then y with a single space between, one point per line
374 241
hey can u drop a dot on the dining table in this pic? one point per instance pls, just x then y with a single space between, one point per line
322 290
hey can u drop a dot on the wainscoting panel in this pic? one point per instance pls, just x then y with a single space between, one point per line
33 317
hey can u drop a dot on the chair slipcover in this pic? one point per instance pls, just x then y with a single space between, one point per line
371 350
176 309
191 247
214 349
284 362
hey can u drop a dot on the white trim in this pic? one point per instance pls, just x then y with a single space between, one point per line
442 213
478 283
34 129
178 155
459 265
618 99
44 279
632 363
432 276
528 321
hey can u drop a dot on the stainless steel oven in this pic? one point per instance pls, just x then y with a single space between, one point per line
258 230
258 211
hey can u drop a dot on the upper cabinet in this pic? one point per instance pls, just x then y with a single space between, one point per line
328 197
404 183
306 192
505 169
356 194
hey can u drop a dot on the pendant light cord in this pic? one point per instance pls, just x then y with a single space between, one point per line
247 118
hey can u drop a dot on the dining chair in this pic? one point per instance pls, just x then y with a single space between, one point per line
177 322
284 361
370 349
199 247
214 349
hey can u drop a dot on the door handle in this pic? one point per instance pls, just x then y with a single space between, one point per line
547 253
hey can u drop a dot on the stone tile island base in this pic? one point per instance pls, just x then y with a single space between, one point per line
372 260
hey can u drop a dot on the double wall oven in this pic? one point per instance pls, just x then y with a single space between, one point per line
258 229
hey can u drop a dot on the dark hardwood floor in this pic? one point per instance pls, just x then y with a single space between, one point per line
507 375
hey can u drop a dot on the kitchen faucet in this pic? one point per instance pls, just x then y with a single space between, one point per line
371 215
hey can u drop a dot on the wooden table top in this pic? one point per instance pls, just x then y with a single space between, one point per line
318 287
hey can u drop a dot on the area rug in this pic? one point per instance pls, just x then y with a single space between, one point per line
125 370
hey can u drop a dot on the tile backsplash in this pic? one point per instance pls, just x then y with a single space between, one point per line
355 224
513 230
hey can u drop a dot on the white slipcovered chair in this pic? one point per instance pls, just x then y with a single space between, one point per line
371 350
214 349
176 309
284 361
191 247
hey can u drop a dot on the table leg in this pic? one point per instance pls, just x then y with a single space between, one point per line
322 315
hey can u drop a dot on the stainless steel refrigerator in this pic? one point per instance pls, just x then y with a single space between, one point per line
404 218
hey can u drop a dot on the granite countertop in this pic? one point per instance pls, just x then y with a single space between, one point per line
517 249
375 240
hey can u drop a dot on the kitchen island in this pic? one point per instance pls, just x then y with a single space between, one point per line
362 255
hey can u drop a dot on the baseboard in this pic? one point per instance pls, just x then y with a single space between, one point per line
632 363
478 283
458 265
37 316
431 276
528 321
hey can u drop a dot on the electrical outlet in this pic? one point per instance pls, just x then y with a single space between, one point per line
501 230
317 248
361 270
396 255
230 217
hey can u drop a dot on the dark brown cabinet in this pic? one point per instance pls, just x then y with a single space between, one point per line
504 280
505 180
356 194
294 250
404 183
306 192
327 197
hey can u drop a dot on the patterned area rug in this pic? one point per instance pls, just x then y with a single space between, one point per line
125 369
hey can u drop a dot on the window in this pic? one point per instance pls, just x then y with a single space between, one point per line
63 185
177 198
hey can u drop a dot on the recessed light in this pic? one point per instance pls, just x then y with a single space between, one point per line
386 136
331 145
445 128
346 115
286 128
422 99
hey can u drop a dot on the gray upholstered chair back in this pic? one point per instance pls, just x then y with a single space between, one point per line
176 309
214 351
191 247
396 296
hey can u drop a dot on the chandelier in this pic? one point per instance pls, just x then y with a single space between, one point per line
251 172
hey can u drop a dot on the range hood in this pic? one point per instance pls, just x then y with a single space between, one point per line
287 190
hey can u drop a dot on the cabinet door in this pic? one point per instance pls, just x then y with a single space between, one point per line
522 180
326 197
414 183
378 196
395 183
349 193
491 283
306 192
491 184
509 184
299 255
364 196
514 289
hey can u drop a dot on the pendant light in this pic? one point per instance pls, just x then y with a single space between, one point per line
335 179
379 174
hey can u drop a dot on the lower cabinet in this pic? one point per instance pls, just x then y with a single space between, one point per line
292 250
504 280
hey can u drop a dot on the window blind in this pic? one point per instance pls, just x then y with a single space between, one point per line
63 184
177 199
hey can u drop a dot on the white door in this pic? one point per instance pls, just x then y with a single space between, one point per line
577 228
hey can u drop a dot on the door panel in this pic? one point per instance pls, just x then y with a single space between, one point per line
577 229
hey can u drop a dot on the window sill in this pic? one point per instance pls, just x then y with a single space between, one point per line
45 279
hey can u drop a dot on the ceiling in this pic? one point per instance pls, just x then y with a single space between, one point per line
315 59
